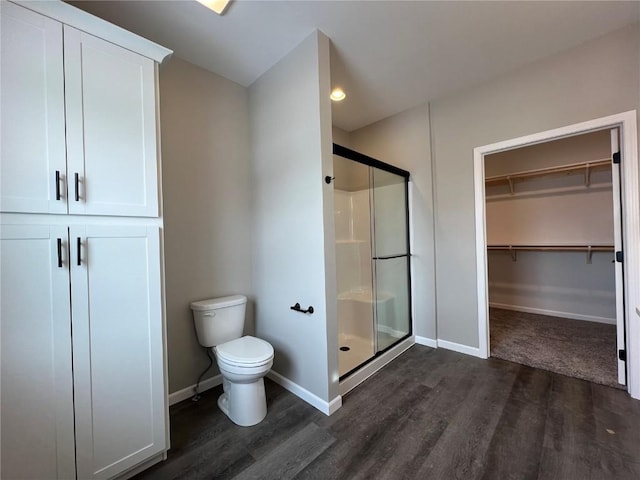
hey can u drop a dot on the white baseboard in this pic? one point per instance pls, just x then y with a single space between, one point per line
189 392
457 347
553 313
325 407
427 342
335 404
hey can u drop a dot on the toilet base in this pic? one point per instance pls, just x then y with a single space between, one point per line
244 403
223 403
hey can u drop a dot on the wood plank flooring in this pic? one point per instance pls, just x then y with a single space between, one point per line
429 414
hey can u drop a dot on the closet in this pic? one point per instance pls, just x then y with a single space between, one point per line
552 225
83 368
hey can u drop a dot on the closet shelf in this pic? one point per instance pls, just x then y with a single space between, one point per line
587 167
588 249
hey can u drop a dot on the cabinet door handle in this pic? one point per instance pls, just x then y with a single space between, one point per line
59 253
79 247
77 182
58 185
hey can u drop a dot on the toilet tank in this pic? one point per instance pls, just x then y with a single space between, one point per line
219 320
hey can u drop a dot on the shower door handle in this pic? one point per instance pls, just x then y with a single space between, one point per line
390 257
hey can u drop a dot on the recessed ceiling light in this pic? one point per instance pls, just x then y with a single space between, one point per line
337 95
217 6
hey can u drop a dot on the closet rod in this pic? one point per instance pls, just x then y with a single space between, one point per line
549 170
588 249
566 248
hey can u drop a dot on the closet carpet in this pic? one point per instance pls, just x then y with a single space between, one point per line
576 348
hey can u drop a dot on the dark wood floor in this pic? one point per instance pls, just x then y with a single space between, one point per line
429 414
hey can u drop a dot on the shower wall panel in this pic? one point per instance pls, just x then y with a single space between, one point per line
353 241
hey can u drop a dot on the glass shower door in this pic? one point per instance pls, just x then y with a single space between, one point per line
372 257
352 214
390 257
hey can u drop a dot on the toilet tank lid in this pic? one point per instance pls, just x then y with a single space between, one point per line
221 302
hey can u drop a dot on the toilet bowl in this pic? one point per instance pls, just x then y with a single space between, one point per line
243 361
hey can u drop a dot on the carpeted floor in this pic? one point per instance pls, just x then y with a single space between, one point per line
575 348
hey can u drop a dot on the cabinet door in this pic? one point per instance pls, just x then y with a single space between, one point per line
111 128
32 145
118 348
37 392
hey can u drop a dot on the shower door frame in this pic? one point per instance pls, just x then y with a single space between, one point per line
375 163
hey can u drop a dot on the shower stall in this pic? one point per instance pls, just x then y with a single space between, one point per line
372 258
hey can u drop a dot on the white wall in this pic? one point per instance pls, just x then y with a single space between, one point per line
560 284
207 217
596 79
293 217
341 137
403 140
587 147
572 216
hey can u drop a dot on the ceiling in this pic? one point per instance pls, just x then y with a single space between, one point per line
387 55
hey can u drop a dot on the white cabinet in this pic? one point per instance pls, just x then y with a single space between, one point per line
82 328
37 390
117 348
103 284
32 145
63 89
111 128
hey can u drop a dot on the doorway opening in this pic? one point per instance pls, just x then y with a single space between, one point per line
552 221
536 219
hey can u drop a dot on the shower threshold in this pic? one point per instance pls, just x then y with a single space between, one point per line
359 374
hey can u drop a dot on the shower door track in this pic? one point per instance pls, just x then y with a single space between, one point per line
375 356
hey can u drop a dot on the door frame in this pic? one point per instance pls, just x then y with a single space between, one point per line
627 124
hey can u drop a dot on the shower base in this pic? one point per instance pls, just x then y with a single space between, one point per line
360 350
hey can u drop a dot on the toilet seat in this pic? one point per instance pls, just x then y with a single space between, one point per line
245 352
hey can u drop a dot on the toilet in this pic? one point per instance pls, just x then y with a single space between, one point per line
243 361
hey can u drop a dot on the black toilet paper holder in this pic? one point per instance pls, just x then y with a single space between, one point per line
297 308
